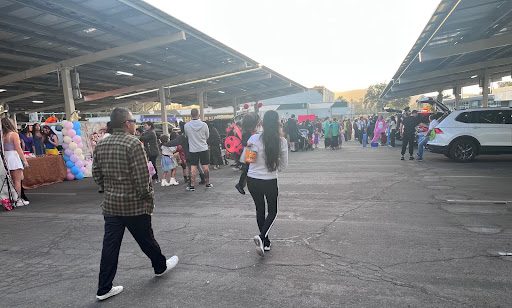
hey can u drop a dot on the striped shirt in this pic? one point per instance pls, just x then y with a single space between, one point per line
120 168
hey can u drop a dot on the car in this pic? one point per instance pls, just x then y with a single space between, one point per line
463 134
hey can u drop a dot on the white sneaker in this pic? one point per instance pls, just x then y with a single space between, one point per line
171 263
163 183
173 182
113 292
22 202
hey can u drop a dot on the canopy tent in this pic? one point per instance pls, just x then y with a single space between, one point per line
96 54
465 42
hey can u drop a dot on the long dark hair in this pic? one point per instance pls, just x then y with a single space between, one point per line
250 122
271 138
8 126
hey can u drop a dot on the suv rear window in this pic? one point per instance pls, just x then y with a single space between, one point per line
465 117
486 117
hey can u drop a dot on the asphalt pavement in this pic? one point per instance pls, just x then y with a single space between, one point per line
356 227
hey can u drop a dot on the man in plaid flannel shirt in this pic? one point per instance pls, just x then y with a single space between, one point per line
120 169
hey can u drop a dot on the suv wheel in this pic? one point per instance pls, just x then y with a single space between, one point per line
463 150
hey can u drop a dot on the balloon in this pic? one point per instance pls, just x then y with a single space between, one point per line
70 164
78 132
80 145
73 158
75 170
67 124
77 139
79 164
65 157
81 157
71 133
67 139
73 146
83 169
65 146
78 151
76 125
68 152
70 177
64 131
80 176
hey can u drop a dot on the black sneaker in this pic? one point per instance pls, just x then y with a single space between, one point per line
259 243
402 158
411 158
240 189
209 185
267 244
190 188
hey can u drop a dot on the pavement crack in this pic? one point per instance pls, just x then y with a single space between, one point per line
440 260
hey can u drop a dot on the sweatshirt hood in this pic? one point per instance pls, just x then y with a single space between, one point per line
196 124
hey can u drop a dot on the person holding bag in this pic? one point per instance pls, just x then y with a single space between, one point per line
271 151
249 125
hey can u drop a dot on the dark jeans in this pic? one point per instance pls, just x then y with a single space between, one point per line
392 135
152 159
142 232
261 190
243 176
408 139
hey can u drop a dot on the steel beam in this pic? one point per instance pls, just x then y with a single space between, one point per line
163 109
249 93
164 82
448 51
221 85
18 97
94 57
67 89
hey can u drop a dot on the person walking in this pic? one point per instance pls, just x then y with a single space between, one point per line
408 131
272 155
335 132
392 131
326 126
197 133
150 141
120 169
214 146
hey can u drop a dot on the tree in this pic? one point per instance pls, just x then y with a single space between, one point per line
372 102
504 84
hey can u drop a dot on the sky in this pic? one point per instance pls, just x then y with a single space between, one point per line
339 44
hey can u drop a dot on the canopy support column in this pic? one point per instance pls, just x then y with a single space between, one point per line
67 88
163 110
485 90
457 92
200 101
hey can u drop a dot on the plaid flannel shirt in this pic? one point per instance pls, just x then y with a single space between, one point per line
120 168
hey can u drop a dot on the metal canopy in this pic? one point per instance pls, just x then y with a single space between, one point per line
37 37
464 41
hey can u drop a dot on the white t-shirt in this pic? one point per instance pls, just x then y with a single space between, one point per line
258 169
433 124
392 125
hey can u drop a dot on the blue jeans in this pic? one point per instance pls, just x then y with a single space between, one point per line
421 145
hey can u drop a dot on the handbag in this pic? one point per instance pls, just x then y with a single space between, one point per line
248 156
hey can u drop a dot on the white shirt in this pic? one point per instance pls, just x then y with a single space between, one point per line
258 169
433 124
168 151
392 125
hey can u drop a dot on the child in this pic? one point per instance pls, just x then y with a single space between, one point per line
169 163
316 137
249 125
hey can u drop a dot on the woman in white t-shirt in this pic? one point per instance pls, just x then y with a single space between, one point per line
271 155
421 145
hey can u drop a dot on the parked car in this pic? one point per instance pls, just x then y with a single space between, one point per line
464 134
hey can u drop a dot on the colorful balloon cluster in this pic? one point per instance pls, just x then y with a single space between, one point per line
73 151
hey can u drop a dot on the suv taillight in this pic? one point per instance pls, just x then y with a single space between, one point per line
438 131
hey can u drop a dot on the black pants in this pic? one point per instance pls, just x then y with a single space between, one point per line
261 190
152 159
142 232
408 139
392 135
243 176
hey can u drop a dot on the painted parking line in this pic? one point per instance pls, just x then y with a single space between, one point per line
53 194
505 202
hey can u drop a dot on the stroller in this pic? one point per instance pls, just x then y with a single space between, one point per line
305 142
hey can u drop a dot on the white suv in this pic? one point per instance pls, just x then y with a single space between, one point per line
464 134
